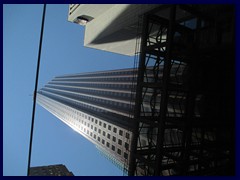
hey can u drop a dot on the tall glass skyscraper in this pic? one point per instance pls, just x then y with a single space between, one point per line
98 106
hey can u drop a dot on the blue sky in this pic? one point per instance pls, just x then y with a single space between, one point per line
62 53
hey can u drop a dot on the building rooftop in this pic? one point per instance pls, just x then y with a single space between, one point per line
51 170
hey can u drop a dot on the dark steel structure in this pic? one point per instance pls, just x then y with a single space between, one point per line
186 75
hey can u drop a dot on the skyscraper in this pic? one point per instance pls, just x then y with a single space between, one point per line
97 105
100 106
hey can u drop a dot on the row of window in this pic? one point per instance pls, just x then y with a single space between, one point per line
100 85
97 74
71 103
94 79
92 91
114 139
92 100
100 123
109 127
98 138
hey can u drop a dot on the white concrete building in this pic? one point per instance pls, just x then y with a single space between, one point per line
109 27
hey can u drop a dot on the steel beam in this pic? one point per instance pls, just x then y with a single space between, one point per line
138 99
164 97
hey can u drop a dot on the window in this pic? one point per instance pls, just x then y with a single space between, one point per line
127 135
95 121
98 139
103 141
126 146
104 133
120 142
104 125
125 155
94 136
108 136
120 132
114 129
119 151
91 126
108 144
113 147
100 123
90 133
109 127
114 139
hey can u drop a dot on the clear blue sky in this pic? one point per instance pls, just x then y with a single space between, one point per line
62 53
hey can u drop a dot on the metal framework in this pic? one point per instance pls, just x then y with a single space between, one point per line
177 135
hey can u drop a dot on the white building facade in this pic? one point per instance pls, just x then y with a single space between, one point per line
110 27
